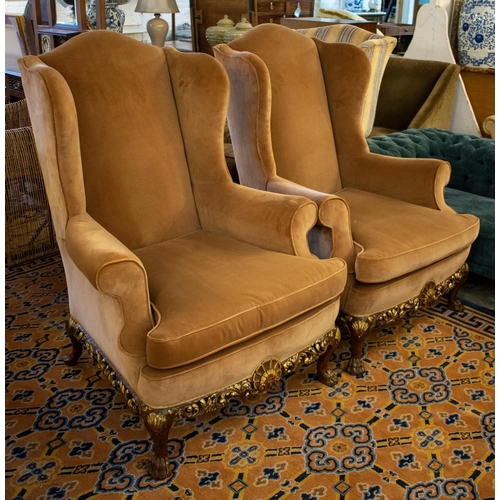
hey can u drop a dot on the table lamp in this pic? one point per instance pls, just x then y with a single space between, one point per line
157 26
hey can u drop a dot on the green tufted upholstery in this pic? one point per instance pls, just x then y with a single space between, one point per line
472 184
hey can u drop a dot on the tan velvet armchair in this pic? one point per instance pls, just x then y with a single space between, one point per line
186 288
295 121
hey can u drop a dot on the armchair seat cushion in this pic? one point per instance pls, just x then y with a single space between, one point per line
213 292
399 237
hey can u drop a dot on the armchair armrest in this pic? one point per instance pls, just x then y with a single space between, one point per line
114 270
333 236
415 180
271 221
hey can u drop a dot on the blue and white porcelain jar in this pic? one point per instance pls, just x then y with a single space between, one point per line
115 17
476 34
353 5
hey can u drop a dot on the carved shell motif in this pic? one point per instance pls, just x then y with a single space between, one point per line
429 294
267 376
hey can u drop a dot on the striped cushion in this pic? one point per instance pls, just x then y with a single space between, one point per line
378 49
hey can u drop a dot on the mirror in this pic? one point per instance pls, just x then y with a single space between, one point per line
65 13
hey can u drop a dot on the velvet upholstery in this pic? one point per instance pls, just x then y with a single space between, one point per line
386 217
377 48
171 267
415 94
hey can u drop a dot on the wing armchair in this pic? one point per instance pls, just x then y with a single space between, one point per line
186 288
295 122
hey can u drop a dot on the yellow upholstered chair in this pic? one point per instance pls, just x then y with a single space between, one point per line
301 132
415 94
378 49
188 289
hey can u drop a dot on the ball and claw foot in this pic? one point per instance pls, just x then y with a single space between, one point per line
327 376
356 366
160 468
455 305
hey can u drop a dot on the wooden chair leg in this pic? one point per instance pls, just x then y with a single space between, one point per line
158 425
358 329
454 302
327 376
76 345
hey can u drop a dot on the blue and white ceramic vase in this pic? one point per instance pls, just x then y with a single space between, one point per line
115 17
353 5
476 34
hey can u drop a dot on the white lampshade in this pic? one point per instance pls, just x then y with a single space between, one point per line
157 6
157 27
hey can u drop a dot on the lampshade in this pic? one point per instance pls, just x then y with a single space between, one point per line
157 6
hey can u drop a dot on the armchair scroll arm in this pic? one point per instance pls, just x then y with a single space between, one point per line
420 181
114 270
333 229
267 220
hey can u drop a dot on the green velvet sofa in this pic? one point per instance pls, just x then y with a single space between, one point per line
471 189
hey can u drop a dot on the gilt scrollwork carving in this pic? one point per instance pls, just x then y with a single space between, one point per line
359 327
264 377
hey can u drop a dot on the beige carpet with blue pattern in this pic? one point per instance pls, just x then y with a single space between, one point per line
419 425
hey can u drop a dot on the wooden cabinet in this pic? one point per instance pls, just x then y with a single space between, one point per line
207 13
273 12
56 22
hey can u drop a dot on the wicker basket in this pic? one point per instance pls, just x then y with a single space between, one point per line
16 115
28 227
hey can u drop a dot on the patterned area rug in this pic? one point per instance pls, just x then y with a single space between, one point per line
418 425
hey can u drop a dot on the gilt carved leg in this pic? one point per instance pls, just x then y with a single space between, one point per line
76 345
358 329
158 425
454 302
327 376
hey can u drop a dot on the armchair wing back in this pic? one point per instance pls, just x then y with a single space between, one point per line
298 93
186 288
117 141
386 217
378 49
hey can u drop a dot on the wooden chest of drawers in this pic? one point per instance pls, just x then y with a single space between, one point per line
267 11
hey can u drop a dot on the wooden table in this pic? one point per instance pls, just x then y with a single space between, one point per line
316 22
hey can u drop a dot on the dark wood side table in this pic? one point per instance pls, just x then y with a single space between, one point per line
403 33
316 22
